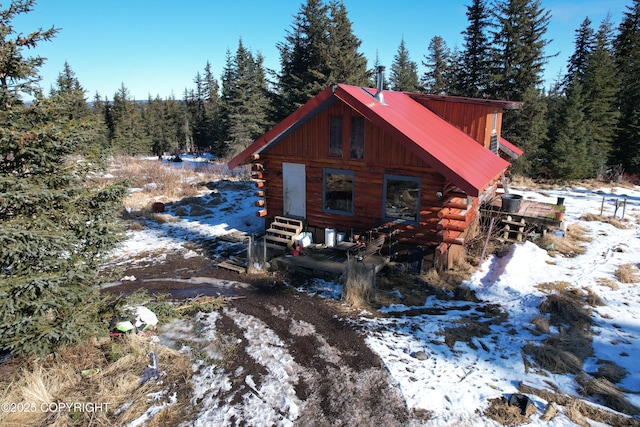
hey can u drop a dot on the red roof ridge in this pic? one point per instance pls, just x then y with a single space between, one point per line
453 153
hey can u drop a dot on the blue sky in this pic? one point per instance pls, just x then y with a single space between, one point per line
156 47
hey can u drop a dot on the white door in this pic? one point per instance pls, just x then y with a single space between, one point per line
294 187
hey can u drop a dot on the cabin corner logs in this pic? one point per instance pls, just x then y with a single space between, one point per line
445 215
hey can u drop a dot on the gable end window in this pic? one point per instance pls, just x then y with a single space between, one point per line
335 136
357 138
401 198
337 191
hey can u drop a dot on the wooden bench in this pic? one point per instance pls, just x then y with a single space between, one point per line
365 249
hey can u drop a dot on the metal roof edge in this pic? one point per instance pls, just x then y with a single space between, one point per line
286 126
368 111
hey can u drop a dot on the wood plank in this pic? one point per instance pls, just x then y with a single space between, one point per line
231 265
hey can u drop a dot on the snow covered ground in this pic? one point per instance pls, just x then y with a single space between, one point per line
452 383
455 383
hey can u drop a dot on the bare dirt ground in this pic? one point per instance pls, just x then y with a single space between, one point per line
344 385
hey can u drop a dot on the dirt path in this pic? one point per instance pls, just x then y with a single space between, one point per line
287 346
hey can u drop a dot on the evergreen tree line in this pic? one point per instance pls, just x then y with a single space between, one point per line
58 220
582 126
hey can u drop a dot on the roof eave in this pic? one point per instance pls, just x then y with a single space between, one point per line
286 126
369 111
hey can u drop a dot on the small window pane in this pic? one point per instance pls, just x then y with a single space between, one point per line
402 198
357 138
335 136
338 192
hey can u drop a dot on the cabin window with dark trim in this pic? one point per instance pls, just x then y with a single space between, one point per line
401 198
335 136
357 138
337 191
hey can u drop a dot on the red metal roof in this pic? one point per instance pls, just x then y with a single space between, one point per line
450 151
511 150
291 122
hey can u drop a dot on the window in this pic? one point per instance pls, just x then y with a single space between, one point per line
335 136
494 144
357 138
337 191
494 122
401 198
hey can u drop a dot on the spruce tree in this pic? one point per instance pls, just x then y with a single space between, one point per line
245 100
527 128
71 94
569 149
436 79
518 48
304 58
19 73
163 120
56 224
124 119
68 97
627 56
517 64
211 110
600 87
201 114
472 76
347 65
578 61
404 71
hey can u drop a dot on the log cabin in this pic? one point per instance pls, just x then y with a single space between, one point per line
414 166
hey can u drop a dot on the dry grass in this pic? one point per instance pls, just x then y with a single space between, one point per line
611 371
611 284
469 329
161 182
553 359
568 309
505 414
522 181
577 410
358 290
58 378
627 273
541 324
567 306
610 394
621 224
571 245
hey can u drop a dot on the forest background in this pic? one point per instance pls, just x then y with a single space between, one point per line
58 221
581 127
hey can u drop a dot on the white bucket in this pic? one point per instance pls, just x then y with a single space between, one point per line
330 237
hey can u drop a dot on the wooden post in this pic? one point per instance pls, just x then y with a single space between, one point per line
624 207
250 255
373 281
264 248
486 242
602 206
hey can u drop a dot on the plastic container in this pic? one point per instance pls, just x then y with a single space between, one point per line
511 202
340 237
330 237
303 239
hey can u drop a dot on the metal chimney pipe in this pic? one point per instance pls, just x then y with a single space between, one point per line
380 84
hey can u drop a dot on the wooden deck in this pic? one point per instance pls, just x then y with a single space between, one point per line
531 217
326 262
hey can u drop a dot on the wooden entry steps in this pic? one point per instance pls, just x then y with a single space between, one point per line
282 232
513 231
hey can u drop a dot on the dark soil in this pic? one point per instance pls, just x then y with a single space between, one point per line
325 381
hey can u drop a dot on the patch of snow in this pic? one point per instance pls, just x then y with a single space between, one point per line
453 382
